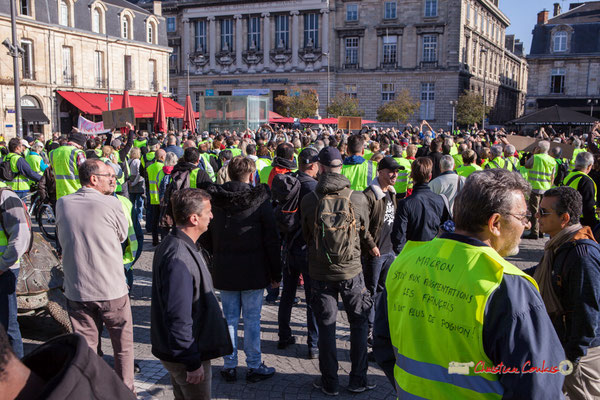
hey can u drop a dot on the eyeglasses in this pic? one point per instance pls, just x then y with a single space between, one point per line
524 218
543 212
110 176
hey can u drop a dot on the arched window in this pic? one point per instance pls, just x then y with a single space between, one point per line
150 33
560 41
126 28
96 20
64 13
151 30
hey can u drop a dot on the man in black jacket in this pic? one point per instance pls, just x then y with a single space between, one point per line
419 216
187 325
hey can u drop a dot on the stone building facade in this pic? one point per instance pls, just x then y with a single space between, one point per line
565 59
370 49
79 46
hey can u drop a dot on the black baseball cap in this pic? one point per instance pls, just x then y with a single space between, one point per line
152 142
388 163
330 157
308 155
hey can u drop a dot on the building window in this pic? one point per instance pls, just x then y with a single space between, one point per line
99 68
64 13
67 67
429 48
311 30
254 33
197 98
390 49
352 90
282 31
387 91
126 28
27 46
200 36
150 33
129 83
468 11
171 26
560 41
25 8
351 51
173 59
557 81
153 84
227 34
431 8
96 20
481 22
427 101
351 12
389 10
174 93
475 17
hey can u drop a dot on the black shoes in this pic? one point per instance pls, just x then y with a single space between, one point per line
284 343
318 384
229 374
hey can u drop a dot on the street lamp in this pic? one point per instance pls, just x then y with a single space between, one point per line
592 103
453 103
484 51
328 94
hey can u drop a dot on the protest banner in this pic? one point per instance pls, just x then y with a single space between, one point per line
115 119
528 144
88 127
350 123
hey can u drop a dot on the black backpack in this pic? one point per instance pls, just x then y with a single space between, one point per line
562 170
285 192
6 172
179 180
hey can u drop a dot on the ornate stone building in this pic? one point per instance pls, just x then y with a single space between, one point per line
370 49
82 47
565 59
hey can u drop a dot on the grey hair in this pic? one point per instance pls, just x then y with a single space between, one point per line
496 151
583 160
170 159
319 145
577 143
556 152
509 149
544 146
485 193
446 163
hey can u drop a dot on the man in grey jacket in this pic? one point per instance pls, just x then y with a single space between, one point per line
448 183
91 226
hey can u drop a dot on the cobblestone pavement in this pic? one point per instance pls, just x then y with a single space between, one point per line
295 372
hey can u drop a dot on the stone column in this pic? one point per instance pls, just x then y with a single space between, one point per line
186 49
239 41
295 38
267 39
212 39
325 30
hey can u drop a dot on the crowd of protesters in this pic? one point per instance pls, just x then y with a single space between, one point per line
406 227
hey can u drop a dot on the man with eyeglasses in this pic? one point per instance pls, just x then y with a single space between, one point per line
91 226
569 280
456 299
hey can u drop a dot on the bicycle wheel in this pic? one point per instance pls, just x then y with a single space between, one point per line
46 221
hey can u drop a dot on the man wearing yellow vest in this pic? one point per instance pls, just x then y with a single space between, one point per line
454 307
359 171
154 201
403 180
497 161
131 246
35 160
65 161
469 164
578 149
18 165
540 174
580 181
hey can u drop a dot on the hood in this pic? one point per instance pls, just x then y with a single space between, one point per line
584 233
238 196
168 170
330 182
283 163
379 193
354 160
183 166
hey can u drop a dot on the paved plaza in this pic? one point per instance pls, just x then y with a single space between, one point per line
295 372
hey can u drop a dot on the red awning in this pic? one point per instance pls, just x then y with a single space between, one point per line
95 103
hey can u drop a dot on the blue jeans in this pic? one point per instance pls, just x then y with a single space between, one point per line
138 204
375 270
8 310
249 302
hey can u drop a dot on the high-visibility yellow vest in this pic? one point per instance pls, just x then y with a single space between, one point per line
235 151
140 143
262 163
132 243
458 160
3 237
20 183
575 152
35 162
153 172
403 180
437 292
360 175
467 170
264 173
210 172
498 162
540 175
126 172
513 163
194 178
573 179
148 158
98 152
64 161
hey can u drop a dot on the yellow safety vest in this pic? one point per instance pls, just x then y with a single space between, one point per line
64 161
132 243
540 175
360 175
153 172
20 183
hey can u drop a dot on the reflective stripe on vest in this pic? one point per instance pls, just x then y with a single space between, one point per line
64 162
540 175
132 243
403 179
437 292
194 178
360 175
153 172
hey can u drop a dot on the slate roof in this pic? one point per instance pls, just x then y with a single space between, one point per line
583 14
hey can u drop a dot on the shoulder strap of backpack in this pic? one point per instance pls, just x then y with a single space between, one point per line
369 174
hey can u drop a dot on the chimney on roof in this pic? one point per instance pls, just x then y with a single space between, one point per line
557 10
157 8
542 17
509 43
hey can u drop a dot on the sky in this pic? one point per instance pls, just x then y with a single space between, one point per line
523 16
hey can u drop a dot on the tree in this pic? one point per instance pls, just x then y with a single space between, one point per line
344 105
298 103
470 108
398 110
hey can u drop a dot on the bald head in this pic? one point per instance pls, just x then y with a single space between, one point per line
188 143
161 154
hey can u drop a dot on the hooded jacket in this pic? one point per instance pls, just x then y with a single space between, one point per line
182 167
242 237
72 370
333 183
376 200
